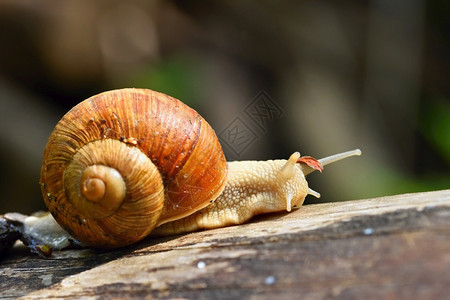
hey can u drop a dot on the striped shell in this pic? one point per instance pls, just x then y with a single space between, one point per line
125 161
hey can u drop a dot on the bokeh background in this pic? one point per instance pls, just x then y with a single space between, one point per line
347 74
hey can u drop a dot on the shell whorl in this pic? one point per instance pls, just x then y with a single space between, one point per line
102 178
100 183
103 157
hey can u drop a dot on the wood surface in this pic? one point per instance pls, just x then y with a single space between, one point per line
395 247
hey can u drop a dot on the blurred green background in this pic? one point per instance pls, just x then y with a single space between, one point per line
347 74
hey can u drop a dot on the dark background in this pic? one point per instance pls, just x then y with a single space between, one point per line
346 74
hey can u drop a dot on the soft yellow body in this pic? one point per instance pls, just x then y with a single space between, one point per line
253 187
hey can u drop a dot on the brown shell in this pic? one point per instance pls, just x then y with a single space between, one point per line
180 143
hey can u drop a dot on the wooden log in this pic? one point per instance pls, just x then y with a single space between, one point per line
391 247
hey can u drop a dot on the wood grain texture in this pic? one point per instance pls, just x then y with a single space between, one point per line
391 247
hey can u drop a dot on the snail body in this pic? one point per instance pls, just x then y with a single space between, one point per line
127 162
253 187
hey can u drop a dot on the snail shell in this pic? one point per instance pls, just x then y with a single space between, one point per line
125 161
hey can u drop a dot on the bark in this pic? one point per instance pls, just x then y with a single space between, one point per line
391 247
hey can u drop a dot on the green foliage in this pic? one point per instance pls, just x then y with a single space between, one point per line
435 126
177 76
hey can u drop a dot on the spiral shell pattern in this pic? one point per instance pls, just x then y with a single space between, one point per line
124 161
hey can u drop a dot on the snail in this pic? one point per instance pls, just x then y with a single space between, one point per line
130 162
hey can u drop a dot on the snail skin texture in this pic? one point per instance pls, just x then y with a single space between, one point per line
126 163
